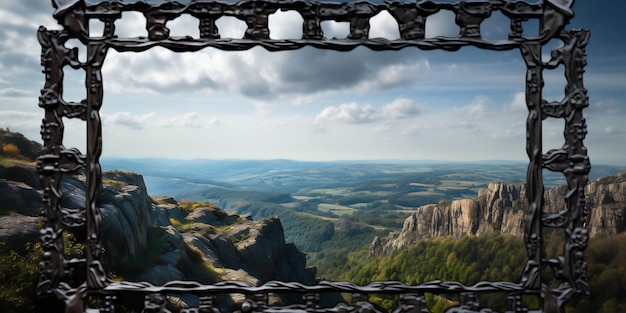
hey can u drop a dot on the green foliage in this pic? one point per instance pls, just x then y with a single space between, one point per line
18 277
71 247
472 259
308 233
344 251
19 272
441 304
384 302
607 273
468 260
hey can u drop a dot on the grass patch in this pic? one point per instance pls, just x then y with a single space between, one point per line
200 268
362 205
330 191
223 229
291 205
424 194
336 209
190 206
114 183
188 225
6 161
303 198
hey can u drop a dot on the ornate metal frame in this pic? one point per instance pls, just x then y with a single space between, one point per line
571 159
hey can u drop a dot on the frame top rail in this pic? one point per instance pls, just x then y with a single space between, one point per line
411 17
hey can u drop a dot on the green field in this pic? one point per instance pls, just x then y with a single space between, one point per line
336 209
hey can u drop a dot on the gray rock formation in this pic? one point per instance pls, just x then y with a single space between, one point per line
606 198
155 240
16 230
18 191
501 208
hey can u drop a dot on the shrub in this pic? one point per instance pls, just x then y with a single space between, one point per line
18 278
11 150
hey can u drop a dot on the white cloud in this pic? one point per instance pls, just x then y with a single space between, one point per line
303 99
333 29
285 25
130 120
506 133
214 121
384 25
352 113
396 75
418 129
20 119
441 24
477 108
14 92
401 108
467 125
517 104
141 121
260 75
191 120
608 106
610 130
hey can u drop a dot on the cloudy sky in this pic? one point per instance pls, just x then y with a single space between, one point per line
315 104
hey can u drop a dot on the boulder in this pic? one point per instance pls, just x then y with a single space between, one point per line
17 230
18 197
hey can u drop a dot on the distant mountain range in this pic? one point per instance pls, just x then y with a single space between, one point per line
173 176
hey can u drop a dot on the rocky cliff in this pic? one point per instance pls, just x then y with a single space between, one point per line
159 239
501 208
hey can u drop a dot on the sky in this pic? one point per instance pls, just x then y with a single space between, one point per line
315 104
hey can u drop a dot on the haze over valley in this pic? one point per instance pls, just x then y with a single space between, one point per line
367 197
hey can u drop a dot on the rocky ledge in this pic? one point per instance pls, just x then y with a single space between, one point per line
158 240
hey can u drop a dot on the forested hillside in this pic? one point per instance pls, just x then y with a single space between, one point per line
493 258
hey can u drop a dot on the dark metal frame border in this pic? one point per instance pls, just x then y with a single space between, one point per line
571 159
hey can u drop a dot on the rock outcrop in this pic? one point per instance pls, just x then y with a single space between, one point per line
155 240
606 198
160 240
501 207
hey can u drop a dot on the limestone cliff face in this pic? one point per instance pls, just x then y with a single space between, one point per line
606 198
433 220
501 208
